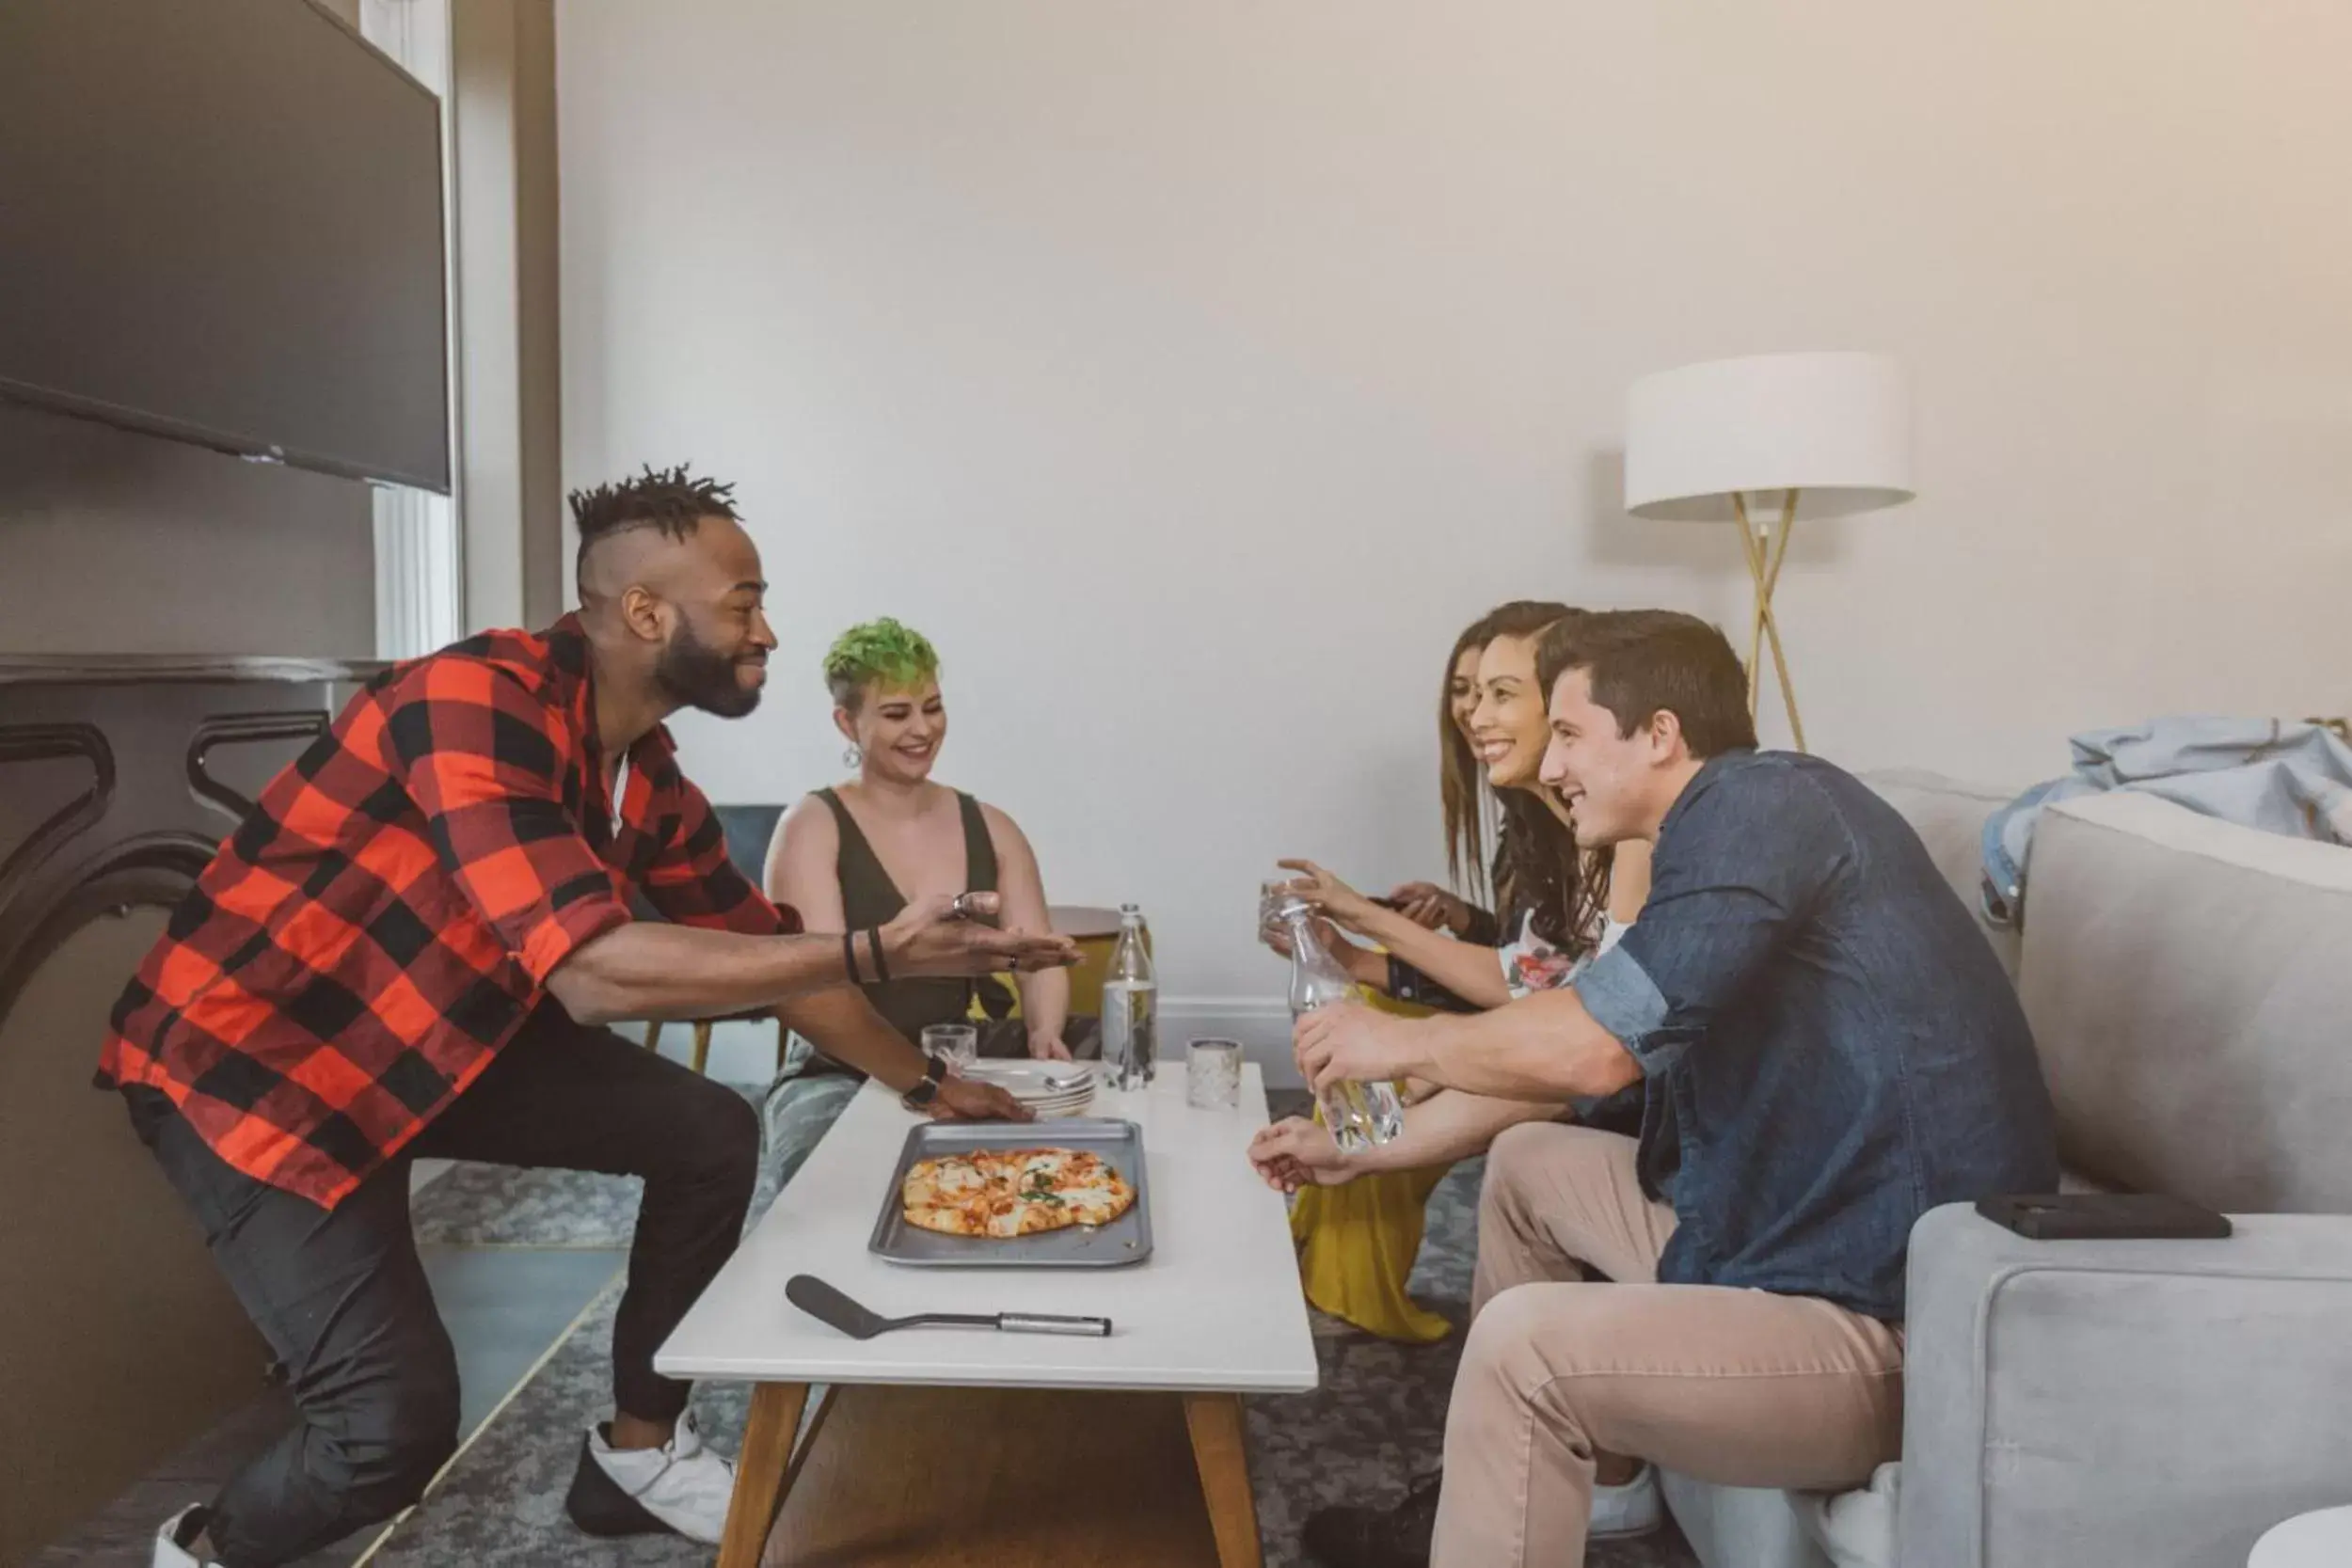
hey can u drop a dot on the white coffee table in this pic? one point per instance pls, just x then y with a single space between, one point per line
1214 1313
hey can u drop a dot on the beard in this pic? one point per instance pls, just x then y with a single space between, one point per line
696 674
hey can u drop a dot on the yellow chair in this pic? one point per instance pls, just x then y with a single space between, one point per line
1358 1243
1096 932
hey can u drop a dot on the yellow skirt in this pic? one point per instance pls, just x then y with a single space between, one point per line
1358 1243
1356 1247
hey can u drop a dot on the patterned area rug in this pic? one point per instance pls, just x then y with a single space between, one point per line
1376 1423
478 1205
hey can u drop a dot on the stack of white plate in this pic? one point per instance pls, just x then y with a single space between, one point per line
1049 1089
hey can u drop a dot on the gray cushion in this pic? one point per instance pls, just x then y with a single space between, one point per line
2156 1403
2189 984
1948 816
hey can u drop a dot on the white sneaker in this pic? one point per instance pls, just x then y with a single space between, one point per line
1633 1508
681 1486
171 1550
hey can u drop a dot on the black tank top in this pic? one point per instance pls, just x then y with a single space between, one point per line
869 897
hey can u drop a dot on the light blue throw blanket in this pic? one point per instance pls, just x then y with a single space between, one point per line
2281 776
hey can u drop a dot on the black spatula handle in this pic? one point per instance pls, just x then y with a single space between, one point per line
946 1320
1051 1323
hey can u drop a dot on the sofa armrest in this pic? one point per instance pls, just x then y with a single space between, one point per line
2152 1403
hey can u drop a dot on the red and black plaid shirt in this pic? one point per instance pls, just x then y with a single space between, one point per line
385 919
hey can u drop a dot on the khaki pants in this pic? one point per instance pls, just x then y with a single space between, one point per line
1738 1387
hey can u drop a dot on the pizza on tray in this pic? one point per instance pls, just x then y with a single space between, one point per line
1013 1191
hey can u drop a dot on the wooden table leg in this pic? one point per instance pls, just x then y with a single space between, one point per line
1220 1450
759 1472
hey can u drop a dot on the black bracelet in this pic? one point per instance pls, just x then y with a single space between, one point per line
848 957
873 946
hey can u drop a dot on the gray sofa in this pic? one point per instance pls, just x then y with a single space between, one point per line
2152 1403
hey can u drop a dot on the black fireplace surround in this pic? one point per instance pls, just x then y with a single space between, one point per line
120 776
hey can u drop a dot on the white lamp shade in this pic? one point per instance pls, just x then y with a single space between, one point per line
1835 426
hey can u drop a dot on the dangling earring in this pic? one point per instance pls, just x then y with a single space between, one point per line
853 758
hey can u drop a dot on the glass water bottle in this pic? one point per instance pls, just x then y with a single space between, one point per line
1359 1115
1131 1007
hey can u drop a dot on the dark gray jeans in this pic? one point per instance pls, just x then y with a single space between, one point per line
342 1300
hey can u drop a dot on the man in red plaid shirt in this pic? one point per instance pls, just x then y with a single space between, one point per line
410 948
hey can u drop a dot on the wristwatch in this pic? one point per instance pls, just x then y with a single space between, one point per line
920 1097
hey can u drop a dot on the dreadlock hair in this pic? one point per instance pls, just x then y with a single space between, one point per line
670 500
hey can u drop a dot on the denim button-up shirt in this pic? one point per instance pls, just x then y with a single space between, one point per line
1829 1046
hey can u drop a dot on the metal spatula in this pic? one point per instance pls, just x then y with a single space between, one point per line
820 1301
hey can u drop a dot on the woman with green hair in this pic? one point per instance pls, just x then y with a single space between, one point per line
853 856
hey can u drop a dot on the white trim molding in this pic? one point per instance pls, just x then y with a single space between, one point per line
417 573
1262 1025
745 1052
420 563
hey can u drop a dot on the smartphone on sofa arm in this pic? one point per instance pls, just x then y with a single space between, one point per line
2104 1217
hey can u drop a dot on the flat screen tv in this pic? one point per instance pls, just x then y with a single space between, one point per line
221 221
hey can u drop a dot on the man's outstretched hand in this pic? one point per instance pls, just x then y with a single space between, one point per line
929 940
967 1100
1295 1152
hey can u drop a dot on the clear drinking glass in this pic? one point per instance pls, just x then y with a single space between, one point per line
1213 1074
960 1043
1270 899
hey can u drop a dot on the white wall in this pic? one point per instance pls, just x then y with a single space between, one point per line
1191 373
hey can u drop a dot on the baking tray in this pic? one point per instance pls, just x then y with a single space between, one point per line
1126 1239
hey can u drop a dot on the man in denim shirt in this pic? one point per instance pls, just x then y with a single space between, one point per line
1829 1049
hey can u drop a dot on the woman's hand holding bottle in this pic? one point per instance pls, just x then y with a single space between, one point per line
1342 904
1364 966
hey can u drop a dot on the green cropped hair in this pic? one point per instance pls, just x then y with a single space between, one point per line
896 656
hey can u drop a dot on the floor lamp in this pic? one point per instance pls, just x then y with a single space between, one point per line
1757 440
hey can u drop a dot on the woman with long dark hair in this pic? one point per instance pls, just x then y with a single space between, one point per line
1465 804
1554 900
1359 1241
